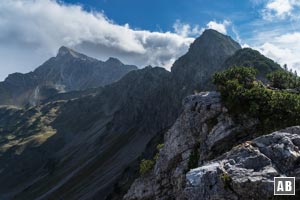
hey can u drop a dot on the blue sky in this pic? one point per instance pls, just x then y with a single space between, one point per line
160 15
142 32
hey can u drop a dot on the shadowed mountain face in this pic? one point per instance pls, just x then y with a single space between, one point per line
81 148
68 71
92 139
193 71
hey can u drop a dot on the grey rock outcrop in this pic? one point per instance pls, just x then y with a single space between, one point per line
248 170
244 172
205 127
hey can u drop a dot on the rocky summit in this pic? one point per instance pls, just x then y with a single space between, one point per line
81 141
212 49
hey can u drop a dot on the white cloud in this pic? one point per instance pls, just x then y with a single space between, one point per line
281 9
33 30
186 30
221 27
237 35
284 49
277 34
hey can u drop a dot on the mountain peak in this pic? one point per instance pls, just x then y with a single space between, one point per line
211 31
113 61
206 56
66 51
212 39
63 50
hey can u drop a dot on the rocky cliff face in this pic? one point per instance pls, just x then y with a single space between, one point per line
196 161
68 71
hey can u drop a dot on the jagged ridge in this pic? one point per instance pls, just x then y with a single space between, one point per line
68 71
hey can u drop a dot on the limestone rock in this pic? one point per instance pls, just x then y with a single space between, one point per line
248 170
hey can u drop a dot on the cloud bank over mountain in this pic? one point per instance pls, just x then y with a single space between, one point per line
33 30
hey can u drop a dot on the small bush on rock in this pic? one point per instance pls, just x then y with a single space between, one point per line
146 166
226 179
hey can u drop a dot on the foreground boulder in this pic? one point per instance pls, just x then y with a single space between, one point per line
248 170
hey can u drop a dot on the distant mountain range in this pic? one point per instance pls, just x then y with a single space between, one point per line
78 146
68 71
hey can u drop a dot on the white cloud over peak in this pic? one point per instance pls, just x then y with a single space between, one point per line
186 30
221 27
33 30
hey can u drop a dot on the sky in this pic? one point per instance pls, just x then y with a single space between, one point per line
142 32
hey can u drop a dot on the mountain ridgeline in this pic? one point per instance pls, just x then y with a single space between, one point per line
89 146
251 58
68 71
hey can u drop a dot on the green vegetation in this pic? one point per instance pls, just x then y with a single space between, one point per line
159 147
21 128
226 179
251 58
146 166
242 93
284 80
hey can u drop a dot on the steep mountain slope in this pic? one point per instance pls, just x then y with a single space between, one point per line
68 71
206 55
96 138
